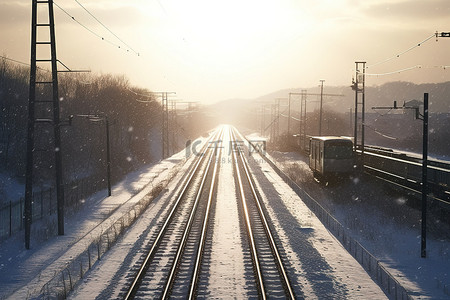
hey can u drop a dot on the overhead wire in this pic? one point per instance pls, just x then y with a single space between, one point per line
394 72
380 133
403 52
16 61
104 26
444 67
22 63
88 29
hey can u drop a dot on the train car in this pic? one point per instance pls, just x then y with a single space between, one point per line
406 170
331 155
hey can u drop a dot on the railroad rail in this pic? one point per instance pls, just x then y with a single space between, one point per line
173 226
173 264
260 235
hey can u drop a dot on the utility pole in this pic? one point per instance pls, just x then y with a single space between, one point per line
98 118
277 126
424 118
165 126
174 122
320 111
424 176
272 120
303 118
304 94
54 119
108 156
358 85
44 111
289 116
278 114
165 122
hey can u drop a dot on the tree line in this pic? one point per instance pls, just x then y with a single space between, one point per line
134 115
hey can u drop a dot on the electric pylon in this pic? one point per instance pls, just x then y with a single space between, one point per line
42 112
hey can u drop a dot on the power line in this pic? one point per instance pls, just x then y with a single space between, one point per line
404 52
87 28
394 72
444 67
16 61
106 27
380 133
22 63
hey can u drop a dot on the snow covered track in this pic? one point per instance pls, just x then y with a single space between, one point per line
262 243
236 231
179 223
173 265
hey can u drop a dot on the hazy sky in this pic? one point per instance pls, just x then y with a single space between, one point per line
208 50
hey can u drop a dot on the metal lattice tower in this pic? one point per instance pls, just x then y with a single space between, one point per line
43 112
359 87
303 119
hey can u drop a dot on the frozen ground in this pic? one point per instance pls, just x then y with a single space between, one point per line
23 272
380 219
322 264
10 189
322 267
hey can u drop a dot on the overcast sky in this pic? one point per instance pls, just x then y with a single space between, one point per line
208 50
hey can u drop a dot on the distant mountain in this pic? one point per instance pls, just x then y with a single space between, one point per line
383 95
397 129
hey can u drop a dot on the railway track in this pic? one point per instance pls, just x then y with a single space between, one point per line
406 172
153 278
270 274
174 263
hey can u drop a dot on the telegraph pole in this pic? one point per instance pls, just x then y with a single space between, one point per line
289 116
303 118
423 251
424 118
165 122
55 118
320 111
358 85
30 129
304 94
165 125
108 156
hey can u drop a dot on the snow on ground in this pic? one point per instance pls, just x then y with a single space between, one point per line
323 268
107 277
297 224
10 189
327 270
24 272
225 276
322 264
380 220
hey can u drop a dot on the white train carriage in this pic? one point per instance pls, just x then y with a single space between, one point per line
331 155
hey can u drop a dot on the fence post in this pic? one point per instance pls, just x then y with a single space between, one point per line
49 192
10 218
42 203
21 213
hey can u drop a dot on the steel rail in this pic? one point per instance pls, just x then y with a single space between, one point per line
198 261
187 230
253 250
285 279
142 270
